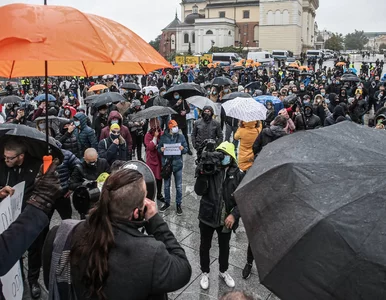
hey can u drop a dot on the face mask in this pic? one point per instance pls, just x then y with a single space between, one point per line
42 126
337 82
226 90
77 123
162 94
177 97
67 112
206 116
114 122
114 136
175 130
92 164
214 93
323 94
226 161
289 93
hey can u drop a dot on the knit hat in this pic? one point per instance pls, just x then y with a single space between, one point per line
172 124
115 127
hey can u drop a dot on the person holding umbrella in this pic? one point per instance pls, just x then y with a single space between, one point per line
218 211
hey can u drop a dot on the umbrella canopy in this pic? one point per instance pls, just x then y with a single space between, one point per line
201 102
105 98
90 98
10 99
97 87
154 112
234 95
350 77
42 97
263 99
221 81
253 85
341 64
236 68
245 109
185 90
130 86
314 213
34 140
64 83
98 45
147 89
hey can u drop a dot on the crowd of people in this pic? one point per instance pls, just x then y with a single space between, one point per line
94 140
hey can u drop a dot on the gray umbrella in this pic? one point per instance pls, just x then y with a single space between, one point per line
130 86
313 205
154 112
10 99
106 98
234 95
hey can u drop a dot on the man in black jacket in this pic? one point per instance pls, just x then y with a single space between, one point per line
308 120
34 218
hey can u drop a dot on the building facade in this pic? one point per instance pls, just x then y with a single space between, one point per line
248 24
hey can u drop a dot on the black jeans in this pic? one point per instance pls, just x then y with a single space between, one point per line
249 254
206 235
137 143
185 134
159 188
63 207
35 257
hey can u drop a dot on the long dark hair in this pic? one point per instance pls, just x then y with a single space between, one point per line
122 193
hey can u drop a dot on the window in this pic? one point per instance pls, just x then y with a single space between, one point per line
256 33
278 20
270 18
221 14
209 32
193 38
285 17
173 41
245 14
186 38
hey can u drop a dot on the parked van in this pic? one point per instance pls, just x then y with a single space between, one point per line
280 54
313 53
263 57
225 58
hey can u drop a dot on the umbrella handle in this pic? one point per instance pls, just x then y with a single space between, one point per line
47 161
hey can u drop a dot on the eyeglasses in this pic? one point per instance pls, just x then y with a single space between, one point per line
115 132
6 158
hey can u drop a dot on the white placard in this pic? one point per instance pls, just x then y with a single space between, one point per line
172 149
10 209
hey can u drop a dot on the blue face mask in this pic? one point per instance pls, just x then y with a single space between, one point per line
177 97
226 161
77 123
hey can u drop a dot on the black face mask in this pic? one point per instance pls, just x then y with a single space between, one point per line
206 116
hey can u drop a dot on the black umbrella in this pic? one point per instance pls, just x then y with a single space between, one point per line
10 99
234 95
32 138
154 112
185 90
291 98
221 81
350 78
130 86
313 205
90 98
106 98
236 68
253 85
293 70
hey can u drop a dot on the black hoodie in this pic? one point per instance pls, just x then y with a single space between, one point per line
267 136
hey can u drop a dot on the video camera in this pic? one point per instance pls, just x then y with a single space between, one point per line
209 160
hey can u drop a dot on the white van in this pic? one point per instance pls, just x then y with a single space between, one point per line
263 57
313 53
226 58
280 54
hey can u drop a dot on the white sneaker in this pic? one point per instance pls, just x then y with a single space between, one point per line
204 282
228 279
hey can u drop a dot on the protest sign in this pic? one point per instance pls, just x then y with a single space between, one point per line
172 149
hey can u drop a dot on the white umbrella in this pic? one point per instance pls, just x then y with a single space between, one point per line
64 82
245 109
147 89
107 76
201 102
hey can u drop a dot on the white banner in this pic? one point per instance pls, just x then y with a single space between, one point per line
10 209
172 149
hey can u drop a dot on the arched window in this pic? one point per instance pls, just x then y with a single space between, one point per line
270 18
209 32
186 38
278 19
173 42
193 38
229 32
286 17
256 33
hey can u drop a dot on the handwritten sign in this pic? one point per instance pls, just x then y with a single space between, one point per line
172 149
10 209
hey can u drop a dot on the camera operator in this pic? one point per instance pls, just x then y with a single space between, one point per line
218 209
89 170
206 128
110 257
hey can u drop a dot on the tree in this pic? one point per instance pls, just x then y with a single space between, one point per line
382 47
335 42
356 40
190 49
155 43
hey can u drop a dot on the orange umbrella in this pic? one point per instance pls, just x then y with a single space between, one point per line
256 64
210 66
95 46
97 87
303 68
341 64
293 65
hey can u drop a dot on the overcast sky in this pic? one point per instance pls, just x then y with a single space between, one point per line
148 17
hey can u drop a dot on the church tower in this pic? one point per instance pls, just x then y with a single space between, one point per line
287 25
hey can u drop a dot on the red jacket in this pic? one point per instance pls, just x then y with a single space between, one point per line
153 157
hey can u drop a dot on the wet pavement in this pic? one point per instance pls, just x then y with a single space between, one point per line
186 230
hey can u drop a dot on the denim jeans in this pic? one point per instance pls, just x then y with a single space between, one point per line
230 131
178 182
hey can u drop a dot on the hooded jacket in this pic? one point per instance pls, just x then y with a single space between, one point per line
168 138
112 152
179 118
338 112
203 130
357 109
267 136
247 135
86 136
125 133
312 121
66 168
69 141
